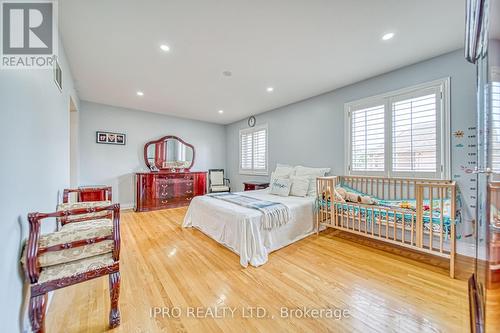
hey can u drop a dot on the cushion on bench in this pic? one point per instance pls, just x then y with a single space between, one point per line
85 204
76 267
73 232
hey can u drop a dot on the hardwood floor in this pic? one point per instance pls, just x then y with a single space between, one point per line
163 265
492 320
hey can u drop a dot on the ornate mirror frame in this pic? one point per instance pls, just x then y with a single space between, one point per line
162 139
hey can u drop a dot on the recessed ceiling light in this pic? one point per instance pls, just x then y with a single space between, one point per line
164 47
270 89
140 93
388 36
221 111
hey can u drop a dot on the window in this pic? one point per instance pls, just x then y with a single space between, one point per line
367 137
414 133
253 150
403 133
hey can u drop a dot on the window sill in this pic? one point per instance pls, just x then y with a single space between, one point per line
251 173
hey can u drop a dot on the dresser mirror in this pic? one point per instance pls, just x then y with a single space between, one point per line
169 153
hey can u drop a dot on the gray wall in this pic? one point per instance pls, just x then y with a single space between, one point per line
115 165
311 132
34 145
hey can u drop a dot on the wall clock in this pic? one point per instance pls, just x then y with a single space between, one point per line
251 121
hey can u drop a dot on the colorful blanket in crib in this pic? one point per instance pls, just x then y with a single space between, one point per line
411 204
275 213
405 211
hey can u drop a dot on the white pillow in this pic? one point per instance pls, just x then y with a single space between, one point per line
312 173
281 187
300 186
284 170
306 171
276 176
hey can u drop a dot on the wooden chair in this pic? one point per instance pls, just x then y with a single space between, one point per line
217 182
51 261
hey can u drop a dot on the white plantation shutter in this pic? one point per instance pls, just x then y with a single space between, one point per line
415 134
406 133
367 139
253 150
246 150
259 150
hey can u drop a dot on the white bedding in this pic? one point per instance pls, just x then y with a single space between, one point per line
239 228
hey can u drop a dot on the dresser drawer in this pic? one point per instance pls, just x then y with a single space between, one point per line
188 191
188 177
174 202
166 179
187 199
164 203
185 185
184 190
164 189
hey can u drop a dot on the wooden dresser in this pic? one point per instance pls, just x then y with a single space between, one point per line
160 190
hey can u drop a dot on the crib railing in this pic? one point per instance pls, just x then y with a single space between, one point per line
426 228
387 188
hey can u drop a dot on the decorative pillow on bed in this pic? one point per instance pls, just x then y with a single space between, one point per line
274 176
281 186
300 186
311 173
284 170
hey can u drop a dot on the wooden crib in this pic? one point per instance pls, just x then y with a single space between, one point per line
424 227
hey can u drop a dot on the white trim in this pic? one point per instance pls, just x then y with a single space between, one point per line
129 206
252 130
446 133
368 100
445 129
347 139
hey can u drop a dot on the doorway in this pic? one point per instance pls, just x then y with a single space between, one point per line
73 144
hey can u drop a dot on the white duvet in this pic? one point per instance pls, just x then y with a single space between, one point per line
239 228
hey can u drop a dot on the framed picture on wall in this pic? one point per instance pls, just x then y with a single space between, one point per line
110 138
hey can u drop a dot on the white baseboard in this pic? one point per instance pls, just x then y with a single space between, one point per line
128 206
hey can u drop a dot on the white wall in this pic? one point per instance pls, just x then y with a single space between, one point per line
34 145
114 165
74 157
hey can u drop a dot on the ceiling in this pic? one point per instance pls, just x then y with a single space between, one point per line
301 48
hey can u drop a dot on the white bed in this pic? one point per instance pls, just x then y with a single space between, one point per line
239 228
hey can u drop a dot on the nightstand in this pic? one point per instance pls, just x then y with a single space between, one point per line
251 186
